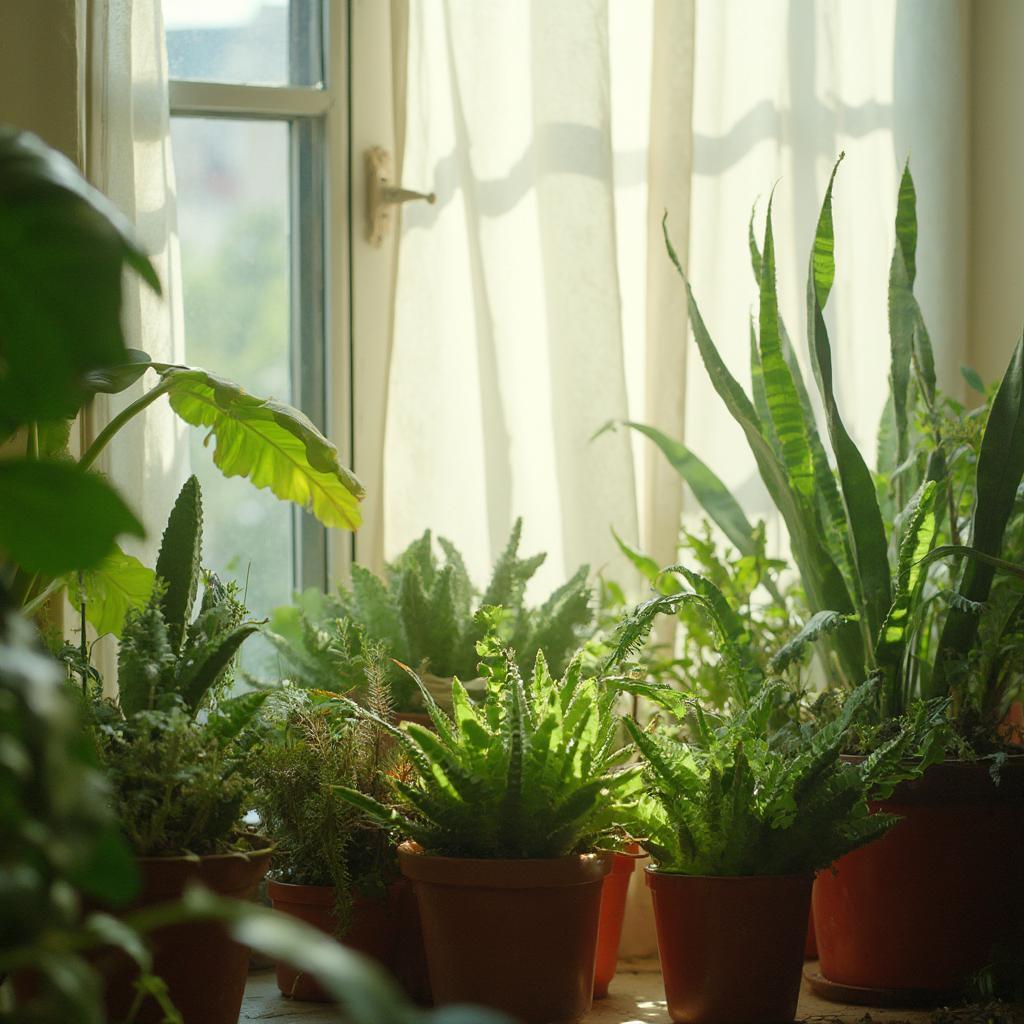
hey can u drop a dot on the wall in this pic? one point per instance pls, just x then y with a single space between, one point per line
40 70
994 264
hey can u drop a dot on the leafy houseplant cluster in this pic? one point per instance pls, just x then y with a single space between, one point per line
424 613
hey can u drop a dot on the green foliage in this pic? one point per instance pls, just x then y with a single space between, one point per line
732 803
424 612
874 552
528 774
310 747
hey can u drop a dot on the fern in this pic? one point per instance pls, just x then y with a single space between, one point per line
737 805
532 772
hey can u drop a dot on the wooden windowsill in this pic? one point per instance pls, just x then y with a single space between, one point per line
636 997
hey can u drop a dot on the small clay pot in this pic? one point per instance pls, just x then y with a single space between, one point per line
519 936
732 948
613 910
204 968
373 931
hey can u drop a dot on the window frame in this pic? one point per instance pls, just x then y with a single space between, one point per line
320 349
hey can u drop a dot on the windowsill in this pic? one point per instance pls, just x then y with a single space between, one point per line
636 997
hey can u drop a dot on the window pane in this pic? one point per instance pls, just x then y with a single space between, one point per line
249 42
233 222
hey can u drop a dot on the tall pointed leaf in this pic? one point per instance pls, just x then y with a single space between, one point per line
866 529
714 497
179 561
902 309
999 471
780 392
270 443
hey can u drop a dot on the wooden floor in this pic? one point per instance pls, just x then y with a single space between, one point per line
636 997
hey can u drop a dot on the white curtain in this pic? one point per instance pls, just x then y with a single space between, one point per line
129 158
524 317
780 88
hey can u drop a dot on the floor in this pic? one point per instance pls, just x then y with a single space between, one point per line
636 998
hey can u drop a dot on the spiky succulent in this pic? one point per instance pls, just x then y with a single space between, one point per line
532 772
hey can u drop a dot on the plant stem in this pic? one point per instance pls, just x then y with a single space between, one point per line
104 437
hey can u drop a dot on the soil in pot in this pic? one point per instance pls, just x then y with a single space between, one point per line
732 949
917 912
519 936
373 930
205 970
613 911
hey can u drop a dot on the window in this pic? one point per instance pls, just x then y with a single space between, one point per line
258 133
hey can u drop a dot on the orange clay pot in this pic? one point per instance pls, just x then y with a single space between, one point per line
910 917
613 909
519 936
372 931
732 948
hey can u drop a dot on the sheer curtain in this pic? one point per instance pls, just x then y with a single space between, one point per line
129 158
780 88
525 318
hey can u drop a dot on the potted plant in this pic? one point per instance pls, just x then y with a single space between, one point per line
898 570
179 784
737 830
424 613
508 823
333 867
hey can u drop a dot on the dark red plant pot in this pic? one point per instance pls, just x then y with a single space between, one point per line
519 936
916 913
203 967
613 910
732 948
373 931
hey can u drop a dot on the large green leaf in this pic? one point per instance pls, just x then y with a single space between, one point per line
63 249
902 309
117 585
999 471
179 563
268 442
866 529
714 497
780 393
56 518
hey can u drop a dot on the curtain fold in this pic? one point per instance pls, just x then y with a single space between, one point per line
781 87
128 157
523 316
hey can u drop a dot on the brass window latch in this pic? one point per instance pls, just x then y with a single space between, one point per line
383 195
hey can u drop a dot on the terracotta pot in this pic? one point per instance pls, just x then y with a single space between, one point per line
914 914
811 944
204 969
732 949
519 936
373 931
613 910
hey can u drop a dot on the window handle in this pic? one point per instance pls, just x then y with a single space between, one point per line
382 195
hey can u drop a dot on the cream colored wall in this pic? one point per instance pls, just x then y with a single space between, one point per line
40 70
995 264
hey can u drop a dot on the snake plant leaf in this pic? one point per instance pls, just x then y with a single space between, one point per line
714 497
999 471
179 561
236 713
820 624
117 585
916 540
64 247
781 396
202 667
823 580
757 389
866 529
38 501
268 442
902 308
